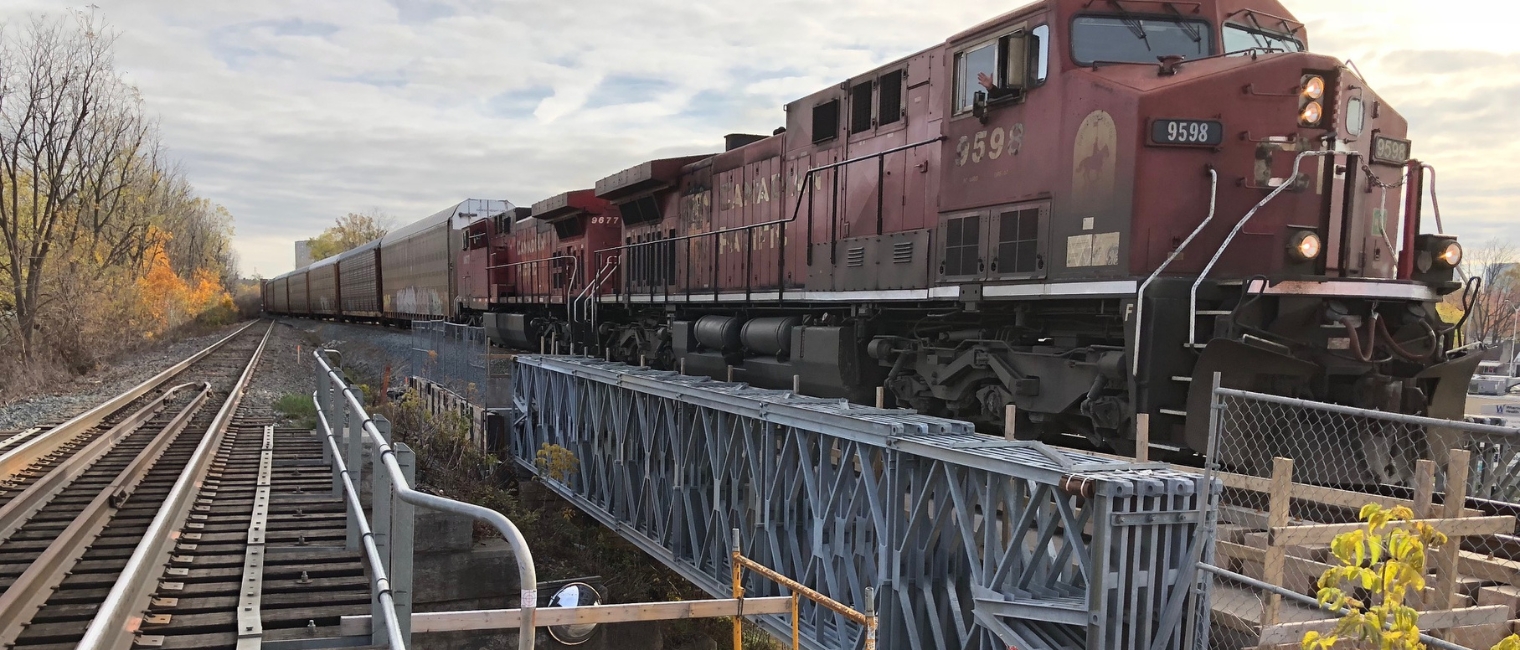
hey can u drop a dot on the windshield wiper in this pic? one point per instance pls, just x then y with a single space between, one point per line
1138 29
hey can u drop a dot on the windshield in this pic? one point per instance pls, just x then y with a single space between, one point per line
1240 39
1127 39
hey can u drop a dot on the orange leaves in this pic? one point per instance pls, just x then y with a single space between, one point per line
168 300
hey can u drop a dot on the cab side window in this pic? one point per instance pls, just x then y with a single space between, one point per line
1003 68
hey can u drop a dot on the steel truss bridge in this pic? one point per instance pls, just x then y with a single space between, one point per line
971 541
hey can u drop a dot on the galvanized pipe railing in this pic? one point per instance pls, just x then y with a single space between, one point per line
382 583
383 454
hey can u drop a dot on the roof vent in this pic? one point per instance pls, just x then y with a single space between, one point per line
733 141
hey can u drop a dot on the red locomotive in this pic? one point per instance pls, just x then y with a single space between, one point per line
1081 208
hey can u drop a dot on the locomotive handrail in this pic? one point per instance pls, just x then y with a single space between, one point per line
1193 294
575 269
584 305
796 211
1140 295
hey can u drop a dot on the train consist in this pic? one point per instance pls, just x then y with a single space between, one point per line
1079 209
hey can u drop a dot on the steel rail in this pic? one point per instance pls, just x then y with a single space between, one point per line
113 627
16 512
20 603
46 443
527 576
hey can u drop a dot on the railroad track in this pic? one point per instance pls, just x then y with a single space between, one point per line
173 516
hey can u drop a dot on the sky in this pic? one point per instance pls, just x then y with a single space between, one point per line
293 112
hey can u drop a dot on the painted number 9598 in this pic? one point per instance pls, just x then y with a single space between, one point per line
1202 133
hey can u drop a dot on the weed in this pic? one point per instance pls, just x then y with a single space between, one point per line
297 409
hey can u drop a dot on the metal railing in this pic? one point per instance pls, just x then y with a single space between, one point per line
1140 294
1290 181
334 394
799 591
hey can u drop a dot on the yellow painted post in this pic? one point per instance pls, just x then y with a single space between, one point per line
796 623
1010 415
1142 437
739 593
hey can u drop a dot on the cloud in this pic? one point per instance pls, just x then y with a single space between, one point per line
292 112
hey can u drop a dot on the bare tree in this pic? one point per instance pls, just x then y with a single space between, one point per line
57 87
1492 317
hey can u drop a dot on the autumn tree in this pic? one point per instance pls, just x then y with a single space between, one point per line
93 214
1492 317
351 231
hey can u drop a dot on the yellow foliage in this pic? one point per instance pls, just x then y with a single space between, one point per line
556 461
169 300
1387 560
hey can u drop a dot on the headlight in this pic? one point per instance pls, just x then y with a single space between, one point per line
1450 255
1311 114
1314 87
1304 246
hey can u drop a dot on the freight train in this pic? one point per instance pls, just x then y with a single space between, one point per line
1081 209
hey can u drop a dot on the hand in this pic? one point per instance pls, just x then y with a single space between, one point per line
986 81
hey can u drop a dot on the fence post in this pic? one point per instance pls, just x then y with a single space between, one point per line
1280 500
324 400
338 427
403 529
380 500
1424 487
355 469
1455 502
1142 437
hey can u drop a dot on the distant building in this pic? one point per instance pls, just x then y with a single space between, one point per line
303 253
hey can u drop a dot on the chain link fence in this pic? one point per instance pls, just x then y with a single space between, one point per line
454 356
1297 473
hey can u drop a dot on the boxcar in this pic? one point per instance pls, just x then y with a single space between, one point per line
324 293
279 295
358 282
417 262
300 293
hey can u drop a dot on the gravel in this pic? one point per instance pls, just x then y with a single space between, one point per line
285 368
112 378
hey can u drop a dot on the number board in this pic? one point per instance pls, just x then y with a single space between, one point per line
1392 151
1187 133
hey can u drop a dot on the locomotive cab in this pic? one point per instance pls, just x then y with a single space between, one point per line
1252 205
